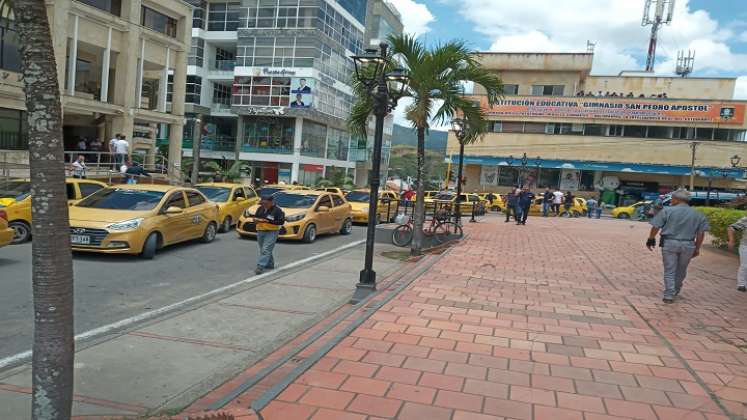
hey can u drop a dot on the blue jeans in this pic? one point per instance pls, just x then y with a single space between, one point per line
676 256
598 212
518 212
545 208
266 240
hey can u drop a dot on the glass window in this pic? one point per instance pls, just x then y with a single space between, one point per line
196 52
547 90
199 14
313 139
250 193
157 21
635 131
111 6
268 135
324 202
12 129
294 200
513 127
239 192
595 130
176 200
508 176
338 200
87 188
194 87
10 57
223 16
656 132
536 128
217 194
358 196
510 89
195 198
122 199
549 177
70 188
703 133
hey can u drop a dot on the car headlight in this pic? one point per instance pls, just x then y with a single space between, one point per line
131 224
295 217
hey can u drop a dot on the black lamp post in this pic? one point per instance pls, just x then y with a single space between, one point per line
459 126
538 163
510 163
371 71
522 171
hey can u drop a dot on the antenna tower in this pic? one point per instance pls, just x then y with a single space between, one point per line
685 63
590 46
653 14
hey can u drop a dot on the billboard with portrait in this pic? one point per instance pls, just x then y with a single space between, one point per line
569 179
489 175
302 92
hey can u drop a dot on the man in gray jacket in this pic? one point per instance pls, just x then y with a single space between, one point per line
682 232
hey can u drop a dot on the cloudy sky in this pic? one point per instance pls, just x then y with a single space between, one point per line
715 29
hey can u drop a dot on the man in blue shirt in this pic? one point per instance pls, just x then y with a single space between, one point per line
511 200
525 201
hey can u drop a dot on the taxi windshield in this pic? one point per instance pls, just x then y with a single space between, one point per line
217 194
17 190
445 196
358 196
297 201
268 191
122 199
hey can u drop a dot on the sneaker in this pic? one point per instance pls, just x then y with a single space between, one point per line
259 270
668 300
742 289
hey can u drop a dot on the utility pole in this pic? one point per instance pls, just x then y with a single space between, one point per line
196 145
694 147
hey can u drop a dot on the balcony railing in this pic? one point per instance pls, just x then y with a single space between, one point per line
228 144
223 65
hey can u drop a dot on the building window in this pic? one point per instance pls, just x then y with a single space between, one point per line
194 86
221 94
170 88
199 13
223 16
269 135
337 144
534 128
510 89
616 131
158 21
261 91
547 90
13 130
512 127
635 131
549 178
196 53
111 6
313 139
10 57
508 176
224 59
595 130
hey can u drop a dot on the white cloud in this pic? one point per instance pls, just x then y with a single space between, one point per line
415 16
615 27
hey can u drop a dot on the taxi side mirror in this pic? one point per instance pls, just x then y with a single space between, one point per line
322 209
174 210
239 199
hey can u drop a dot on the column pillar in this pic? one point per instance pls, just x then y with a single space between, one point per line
139 79
105 61
163 91
177 109
297 143
72 58
239 138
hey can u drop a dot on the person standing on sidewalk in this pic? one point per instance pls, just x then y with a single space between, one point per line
79 167
682 232
556 202
511 200
269 218
740 226
525 201
593 208
568 201
547 198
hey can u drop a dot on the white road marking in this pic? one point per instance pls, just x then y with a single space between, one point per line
105 329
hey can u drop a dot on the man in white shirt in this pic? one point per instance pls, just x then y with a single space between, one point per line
113 149
557 200
79 167
122 149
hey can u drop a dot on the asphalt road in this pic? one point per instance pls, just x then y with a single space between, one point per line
112 288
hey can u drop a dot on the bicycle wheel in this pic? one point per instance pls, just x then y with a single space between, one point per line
447 231
402 235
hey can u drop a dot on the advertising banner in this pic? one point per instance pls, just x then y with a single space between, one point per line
302 92
489 175
629 109
569 179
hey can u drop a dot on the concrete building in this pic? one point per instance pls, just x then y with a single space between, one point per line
271 81
113 61
629 135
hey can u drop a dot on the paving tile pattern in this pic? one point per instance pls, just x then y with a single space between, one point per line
559 319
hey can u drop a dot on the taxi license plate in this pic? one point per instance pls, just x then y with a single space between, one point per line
80 239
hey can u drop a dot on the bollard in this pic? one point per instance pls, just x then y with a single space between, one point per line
472 219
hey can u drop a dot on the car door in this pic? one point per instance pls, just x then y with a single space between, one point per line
87 188
251 196
239 203
174 226
341 210
326 220
197 218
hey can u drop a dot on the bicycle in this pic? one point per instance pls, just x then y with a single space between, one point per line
441 229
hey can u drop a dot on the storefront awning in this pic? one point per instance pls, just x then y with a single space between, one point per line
602 166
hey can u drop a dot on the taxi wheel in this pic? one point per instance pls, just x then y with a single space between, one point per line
21 232
226 225
209 234
347 227
623 216
150 247
309 235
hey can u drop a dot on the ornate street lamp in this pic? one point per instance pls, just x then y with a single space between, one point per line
386 86
522 172
460 127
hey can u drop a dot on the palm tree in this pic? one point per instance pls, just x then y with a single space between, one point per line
52 266
228 175
437 77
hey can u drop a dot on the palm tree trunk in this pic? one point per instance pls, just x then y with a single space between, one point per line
52 266
417 239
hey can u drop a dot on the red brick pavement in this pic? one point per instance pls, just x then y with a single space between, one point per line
556 320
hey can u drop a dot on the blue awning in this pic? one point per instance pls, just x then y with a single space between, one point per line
603 166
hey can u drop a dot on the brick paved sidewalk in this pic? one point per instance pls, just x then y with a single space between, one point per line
557 320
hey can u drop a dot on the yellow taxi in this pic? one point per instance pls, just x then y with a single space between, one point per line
627 212
578 208
334 190
140 219
496 204
6 233
271 189
307 214
468 202
386 209
232 200
15 199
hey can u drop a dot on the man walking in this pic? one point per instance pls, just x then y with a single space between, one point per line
547 198
593 208
682 232
557 200
79 167
525 201
511 200
269 218
122 149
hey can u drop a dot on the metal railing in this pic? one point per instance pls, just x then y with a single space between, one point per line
106 164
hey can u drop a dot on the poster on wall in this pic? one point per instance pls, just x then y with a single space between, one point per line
302 92
569 179
489 175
